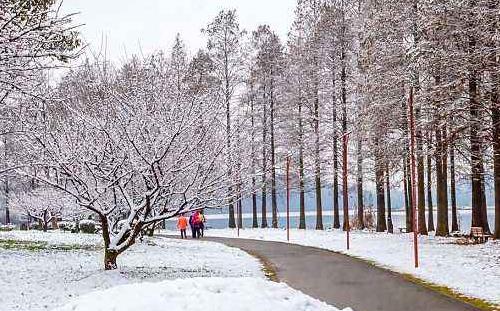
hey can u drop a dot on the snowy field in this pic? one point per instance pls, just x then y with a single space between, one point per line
43 271
212 294
471 270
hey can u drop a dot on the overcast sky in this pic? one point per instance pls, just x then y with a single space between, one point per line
132 26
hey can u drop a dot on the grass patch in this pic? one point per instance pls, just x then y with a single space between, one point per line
267 267
40 245
476 302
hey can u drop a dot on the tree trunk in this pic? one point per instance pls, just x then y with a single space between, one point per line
110 259
390 227
336 215
495 103
359 182
45 220
255 223
264 201
476 154
7 209
239 206
6 183
274 203
484 208
264 164
422 227
317 163
343 98
453 192
302 198
495 115
430 216
379 185
441 186
409 216
406 196
476 143
232 223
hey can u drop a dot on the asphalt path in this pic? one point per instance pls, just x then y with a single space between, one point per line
344 281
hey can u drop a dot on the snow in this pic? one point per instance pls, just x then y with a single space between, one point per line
44 279
471 270
53 237
208 294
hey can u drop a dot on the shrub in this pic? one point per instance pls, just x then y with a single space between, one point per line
88 226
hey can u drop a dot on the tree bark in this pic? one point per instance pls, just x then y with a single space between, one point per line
343 96
336 215
264 164
453 192
274 204
441 185
390 227
255 223
430 216
379 186
476 142
422 227
359 182
302 197
495 114
110 259
317 163
406 196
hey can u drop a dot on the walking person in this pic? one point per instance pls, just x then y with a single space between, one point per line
202 222
192 225
182 225
197 224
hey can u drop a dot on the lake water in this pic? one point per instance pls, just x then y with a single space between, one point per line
220 221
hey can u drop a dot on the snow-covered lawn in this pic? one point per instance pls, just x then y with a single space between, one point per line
471 270
156 274
42 279
208 294
53 238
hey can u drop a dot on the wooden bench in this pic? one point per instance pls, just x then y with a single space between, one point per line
478 235
403 230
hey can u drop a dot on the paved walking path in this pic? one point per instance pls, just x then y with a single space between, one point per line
343 281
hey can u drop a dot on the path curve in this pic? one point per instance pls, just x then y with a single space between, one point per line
344 281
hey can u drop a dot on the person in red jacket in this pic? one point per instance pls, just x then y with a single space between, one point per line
182 225
196 224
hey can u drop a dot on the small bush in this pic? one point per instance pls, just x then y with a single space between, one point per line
66 226
89 226
369 219
8 227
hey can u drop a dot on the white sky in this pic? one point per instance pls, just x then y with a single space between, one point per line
132 26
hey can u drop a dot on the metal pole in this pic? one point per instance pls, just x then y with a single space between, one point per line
413 172
344 186
288 198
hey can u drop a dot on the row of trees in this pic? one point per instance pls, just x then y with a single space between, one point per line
165 134
351 67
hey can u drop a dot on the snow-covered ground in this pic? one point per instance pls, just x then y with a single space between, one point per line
158 273
471 270
43 279
54 238
208 294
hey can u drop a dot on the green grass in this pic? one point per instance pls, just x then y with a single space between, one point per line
40 245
